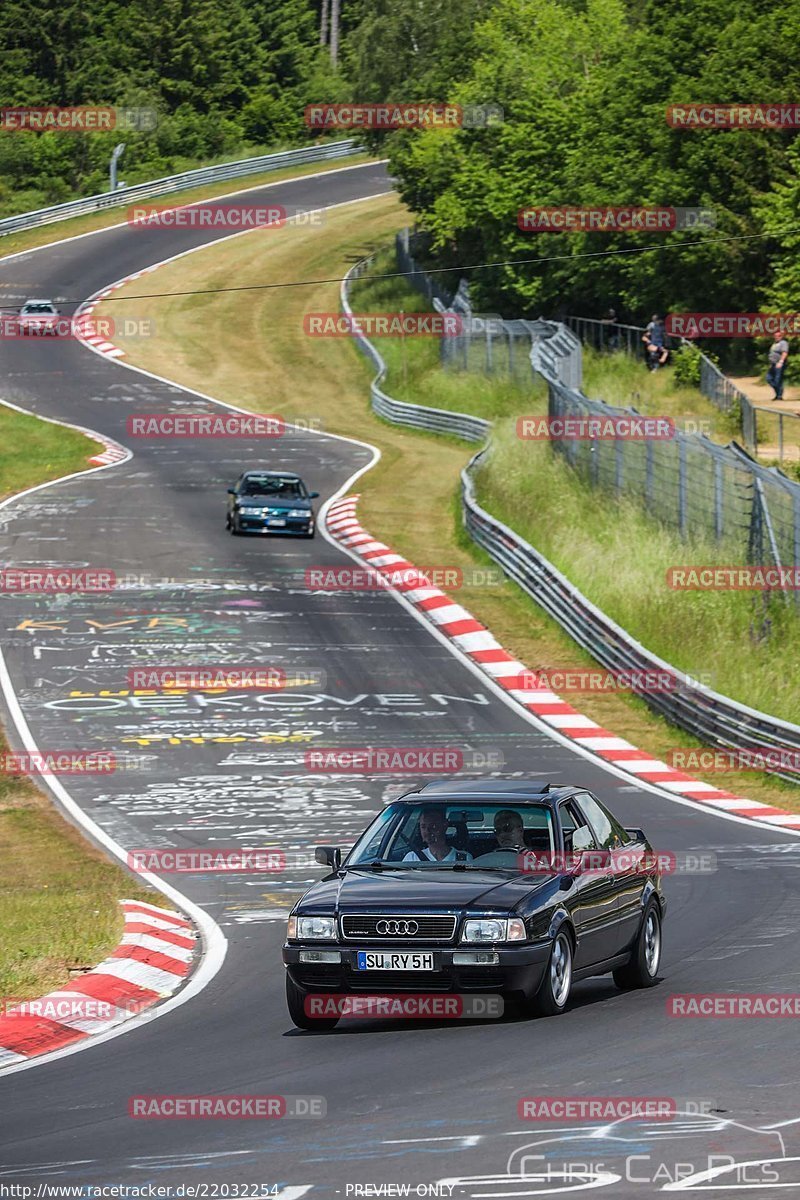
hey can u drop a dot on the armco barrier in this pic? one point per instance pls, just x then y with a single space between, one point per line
180 183
437 420
712 718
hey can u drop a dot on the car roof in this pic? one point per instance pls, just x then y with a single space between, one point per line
271 472
490 790
38 301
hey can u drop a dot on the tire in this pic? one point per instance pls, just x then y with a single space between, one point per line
642 969
295 1002
553 995
232 528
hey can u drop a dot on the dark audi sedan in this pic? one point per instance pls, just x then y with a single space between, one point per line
271 502
508 887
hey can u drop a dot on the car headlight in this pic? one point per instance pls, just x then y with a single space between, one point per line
481 930
249 508
314 929
299 512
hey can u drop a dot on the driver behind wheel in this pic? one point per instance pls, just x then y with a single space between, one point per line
508 829
509 833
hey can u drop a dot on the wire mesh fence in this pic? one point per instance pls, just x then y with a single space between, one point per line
487 343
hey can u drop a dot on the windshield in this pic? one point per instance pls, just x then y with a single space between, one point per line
38 308
270 485
489 836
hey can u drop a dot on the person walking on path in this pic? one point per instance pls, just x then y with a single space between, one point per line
778 354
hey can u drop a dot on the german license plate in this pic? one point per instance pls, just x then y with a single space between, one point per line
272 522
395 960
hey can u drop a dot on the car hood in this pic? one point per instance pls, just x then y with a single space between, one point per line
277 505
387 890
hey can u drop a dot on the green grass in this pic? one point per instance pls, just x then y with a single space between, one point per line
59 896
619 558
32 451
622 380
414 365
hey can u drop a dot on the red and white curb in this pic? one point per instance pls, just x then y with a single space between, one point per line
86 324
480 645
113 452
151 962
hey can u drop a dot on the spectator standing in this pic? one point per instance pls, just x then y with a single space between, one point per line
611 331
778 356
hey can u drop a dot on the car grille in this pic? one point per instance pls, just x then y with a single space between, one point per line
322 975
386 982
481 980
398 927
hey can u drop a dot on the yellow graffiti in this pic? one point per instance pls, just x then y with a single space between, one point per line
203 739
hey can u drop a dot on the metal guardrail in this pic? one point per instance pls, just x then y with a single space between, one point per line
715 719
437 420
751 426
711 717
179 183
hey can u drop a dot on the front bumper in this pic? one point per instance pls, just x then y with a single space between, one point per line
249 523
519 971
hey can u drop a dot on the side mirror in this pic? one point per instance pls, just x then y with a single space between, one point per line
231 491
328 856
313 495
582 838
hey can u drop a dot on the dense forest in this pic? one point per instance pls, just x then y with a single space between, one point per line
583 86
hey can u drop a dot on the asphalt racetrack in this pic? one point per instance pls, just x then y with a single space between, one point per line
408 1104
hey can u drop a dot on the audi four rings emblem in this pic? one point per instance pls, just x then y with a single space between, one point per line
396 928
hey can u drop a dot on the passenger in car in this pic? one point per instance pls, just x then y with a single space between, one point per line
433 833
